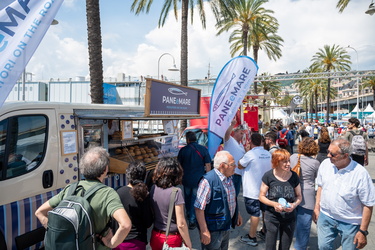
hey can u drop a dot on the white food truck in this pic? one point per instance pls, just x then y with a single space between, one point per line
41 144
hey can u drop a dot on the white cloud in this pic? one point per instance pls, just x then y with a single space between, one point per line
305 26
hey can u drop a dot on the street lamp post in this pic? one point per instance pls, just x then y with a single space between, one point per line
174 68
356 79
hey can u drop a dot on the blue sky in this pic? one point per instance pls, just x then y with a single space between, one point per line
133 44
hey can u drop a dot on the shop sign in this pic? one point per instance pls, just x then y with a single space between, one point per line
164 98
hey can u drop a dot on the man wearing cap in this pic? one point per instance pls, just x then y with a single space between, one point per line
234 146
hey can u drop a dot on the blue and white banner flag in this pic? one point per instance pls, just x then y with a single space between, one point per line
22 27
229 90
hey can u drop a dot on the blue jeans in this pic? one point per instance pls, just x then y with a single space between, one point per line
219 240
303 226
329 228
237 181
190 196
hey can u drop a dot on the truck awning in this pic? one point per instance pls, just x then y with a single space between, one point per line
107 114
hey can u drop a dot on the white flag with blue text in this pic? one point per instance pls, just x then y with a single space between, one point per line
23 25
230 88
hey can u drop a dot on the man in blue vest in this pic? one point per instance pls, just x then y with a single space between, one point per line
216 208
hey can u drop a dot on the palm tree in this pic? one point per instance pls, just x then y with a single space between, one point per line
139 6
253 26
94 37
330 59
341 5
270 43
369 82
271 87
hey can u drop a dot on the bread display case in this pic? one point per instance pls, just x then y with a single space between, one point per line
146 148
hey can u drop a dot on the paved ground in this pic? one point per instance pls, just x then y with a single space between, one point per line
238 232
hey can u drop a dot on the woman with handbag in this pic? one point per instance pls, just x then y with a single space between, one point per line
306 166
281 193
170 227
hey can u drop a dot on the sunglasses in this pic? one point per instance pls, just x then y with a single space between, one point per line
333 155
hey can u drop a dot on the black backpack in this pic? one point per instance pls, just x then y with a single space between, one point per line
71 224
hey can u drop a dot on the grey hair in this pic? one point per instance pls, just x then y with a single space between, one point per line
94 162
220 157
343 144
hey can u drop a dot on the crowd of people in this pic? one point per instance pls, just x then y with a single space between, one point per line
284 192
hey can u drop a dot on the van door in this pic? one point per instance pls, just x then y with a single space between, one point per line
29 169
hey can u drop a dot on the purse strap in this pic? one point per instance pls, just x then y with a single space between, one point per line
297 167
170 211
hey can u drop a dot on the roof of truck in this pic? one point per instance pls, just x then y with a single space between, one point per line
92 111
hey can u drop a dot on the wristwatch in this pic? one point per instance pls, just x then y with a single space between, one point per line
365 233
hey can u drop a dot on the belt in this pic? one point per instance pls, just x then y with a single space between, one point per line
163 232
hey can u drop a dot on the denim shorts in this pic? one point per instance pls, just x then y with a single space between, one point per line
254 207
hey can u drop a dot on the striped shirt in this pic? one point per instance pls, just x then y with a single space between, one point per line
204 193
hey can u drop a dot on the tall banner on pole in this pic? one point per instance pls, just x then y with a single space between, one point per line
23 25
229 90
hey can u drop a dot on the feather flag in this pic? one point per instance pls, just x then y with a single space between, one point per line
230 88
23 25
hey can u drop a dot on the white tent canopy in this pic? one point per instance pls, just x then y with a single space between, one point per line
356 109
282 115
369 108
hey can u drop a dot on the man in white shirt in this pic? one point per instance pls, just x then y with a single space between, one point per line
255 163
233 144
309 129
344 200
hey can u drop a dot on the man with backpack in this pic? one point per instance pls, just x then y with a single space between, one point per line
78 217
283 140
358 140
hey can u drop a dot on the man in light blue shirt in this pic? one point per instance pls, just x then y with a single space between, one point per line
344 200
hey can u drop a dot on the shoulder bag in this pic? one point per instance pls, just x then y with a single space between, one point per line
170 211
297 167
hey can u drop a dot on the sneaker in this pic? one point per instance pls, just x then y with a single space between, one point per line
261 235
250 241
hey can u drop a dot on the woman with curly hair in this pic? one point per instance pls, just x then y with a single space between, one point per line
136 202
167 175
308 170
323 142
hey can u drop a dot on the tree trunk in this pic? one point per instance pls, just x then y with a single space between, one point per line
184 50
316 104
94 38
244 41
255 55
328 98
